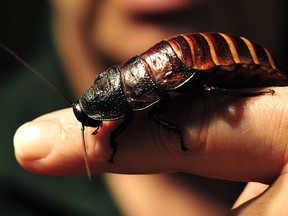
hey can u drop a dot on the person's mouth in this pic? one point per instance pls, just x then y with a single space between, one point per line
142 7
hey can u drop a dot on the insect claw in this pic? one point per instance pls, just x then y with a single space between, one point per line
111 160
95 132
271 91
113 146
184 148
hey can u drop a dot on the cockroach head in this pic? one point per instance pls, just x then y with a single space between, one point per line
83 117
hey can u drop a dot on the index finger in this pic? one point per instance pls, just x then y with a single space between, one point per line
228 137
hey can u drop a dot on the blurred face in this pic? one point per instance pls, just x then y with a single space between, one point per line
90 33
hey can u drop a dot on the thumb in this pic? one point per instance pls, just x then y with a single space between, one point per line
271 202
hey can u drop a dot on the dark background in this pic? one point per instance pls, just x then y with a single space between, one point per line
25 27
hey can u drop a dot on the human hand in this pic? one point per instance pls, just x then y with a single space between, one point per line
243 139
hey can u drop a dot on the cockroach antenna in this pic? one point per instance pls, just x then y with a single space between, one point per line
36 73
56 91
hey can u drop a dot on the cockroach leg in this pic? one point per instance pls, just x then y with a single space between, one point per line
154 115
115 133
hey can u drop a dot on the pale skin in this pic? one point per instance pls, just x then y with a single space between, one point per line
244 139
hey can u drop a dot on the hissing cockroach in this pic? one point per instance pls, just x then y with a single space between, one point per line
184 63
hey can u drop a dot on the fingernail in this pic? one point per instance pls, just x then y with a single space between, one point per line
35 140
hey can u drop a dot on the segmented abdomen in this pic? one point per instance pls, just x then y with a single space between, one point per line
212 59
204 51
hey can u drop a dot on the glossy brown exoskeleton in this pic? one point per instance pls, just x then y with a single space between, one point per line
197 62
